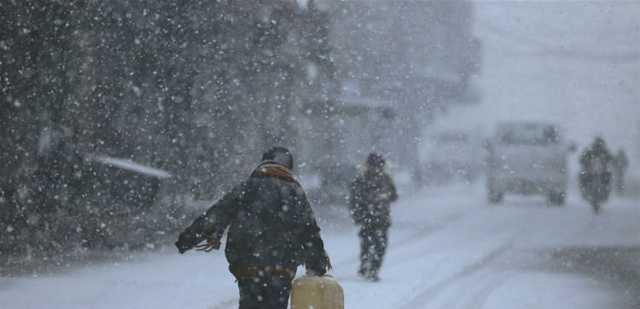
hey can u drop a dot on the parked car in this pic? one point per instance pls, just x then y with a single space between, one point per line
449 155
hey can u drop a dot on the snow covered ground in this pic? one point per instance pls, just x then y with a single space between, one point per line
448 249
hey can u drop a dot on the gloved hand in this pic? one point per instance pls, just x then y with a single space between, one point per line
181 247
319 267
208 246
185 241
314 273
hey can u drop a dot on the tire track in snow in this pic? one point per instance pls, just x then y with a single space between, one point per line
492 283
421 233
477 289
427 295
229 303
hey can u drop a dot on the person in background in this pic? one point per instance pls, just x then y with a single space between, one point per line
620 164
271 231
595 173
372 192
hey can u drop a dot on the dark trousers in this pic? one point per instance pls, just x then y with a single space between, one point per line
265 292
373 244
619 181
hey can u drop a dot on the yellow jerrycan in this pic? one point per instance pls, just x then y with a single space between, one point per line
312 292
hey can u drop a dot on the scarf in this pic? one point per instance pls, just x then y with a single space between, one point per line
269 169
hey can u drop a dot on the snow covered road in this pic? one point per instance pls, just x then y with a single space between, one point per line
448 249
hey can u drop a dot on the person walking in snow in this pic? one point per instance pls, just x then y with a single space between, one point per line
271 231
595 174
372 192
620 164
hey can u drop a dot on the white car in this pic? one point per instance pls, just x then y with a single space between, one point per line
527 158
451 154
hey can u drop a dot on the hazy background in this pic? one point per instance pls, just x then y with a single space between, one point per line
574 62
123 120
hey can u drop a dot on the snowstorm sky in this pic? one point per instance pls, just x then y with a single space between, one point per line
574 62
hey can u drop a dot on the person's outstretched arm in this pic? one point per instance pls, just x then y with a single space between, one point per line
211 225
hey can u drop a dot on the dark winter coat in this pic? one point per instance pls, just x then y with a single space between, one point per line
596 159
271 225
371 195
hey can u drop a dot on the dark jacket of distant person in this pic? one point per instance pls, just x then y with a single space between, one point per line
372 192
596 159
